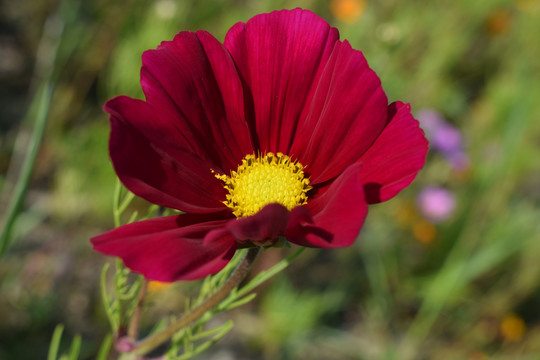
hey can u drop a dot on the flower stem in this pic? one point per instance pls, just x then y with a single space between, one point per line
153 341
133 328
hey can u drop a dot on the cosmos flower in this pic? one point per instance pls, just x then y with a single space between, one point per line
281 132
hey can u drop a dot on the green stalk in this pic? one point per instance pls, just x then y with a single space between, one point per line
39 107
153 341
42 101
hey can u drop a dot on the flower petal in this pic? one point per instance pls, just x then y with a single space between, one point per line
194 81
343 117
395 158
338 214
265 226
280 55
169 248
173 178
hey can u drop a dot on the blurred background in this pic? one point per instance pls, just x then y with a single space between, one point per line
449 269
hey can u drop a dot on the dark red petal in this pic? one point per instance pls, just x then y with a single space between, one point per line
194 81
267 224
280 56
338 214
298 219
169 248
395 158
342 118
175 179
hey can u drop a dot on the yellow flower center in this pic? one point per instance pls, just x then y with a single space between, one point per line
260 181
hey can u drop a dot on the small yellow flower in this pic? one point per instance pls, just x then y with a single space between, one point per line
499 21
347 11
158 286
424 231
512 327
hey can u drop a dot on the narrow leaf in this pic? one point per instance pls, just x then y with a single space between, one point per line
55 342
75 348
105 348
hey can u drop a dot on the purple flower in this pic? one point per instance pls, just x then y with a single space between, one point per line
430 120
444 138
458 160
436 203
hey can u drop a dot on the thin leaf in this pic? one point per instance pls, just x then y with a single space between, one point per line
125 202
120 202
267 274
218 330
105 348
240 302
133 217
75 348
105 298
55 342
42 103
197 350
116 203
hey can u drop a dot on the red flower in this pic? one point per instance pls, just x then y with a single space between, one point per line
282 131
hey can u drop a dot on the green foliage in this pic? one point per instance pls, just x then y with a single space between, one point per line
74 350
194 339
40 110
120 305
289 317
105 347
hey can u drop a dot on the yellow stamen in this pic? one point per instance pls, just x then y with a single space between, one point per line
259 181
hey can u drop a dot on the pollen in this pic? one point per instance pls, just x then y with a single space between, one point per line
262 180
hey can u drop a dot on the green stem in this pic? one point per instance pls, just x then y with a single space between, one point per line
43 98
133 328
267 274
239 274
39 108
